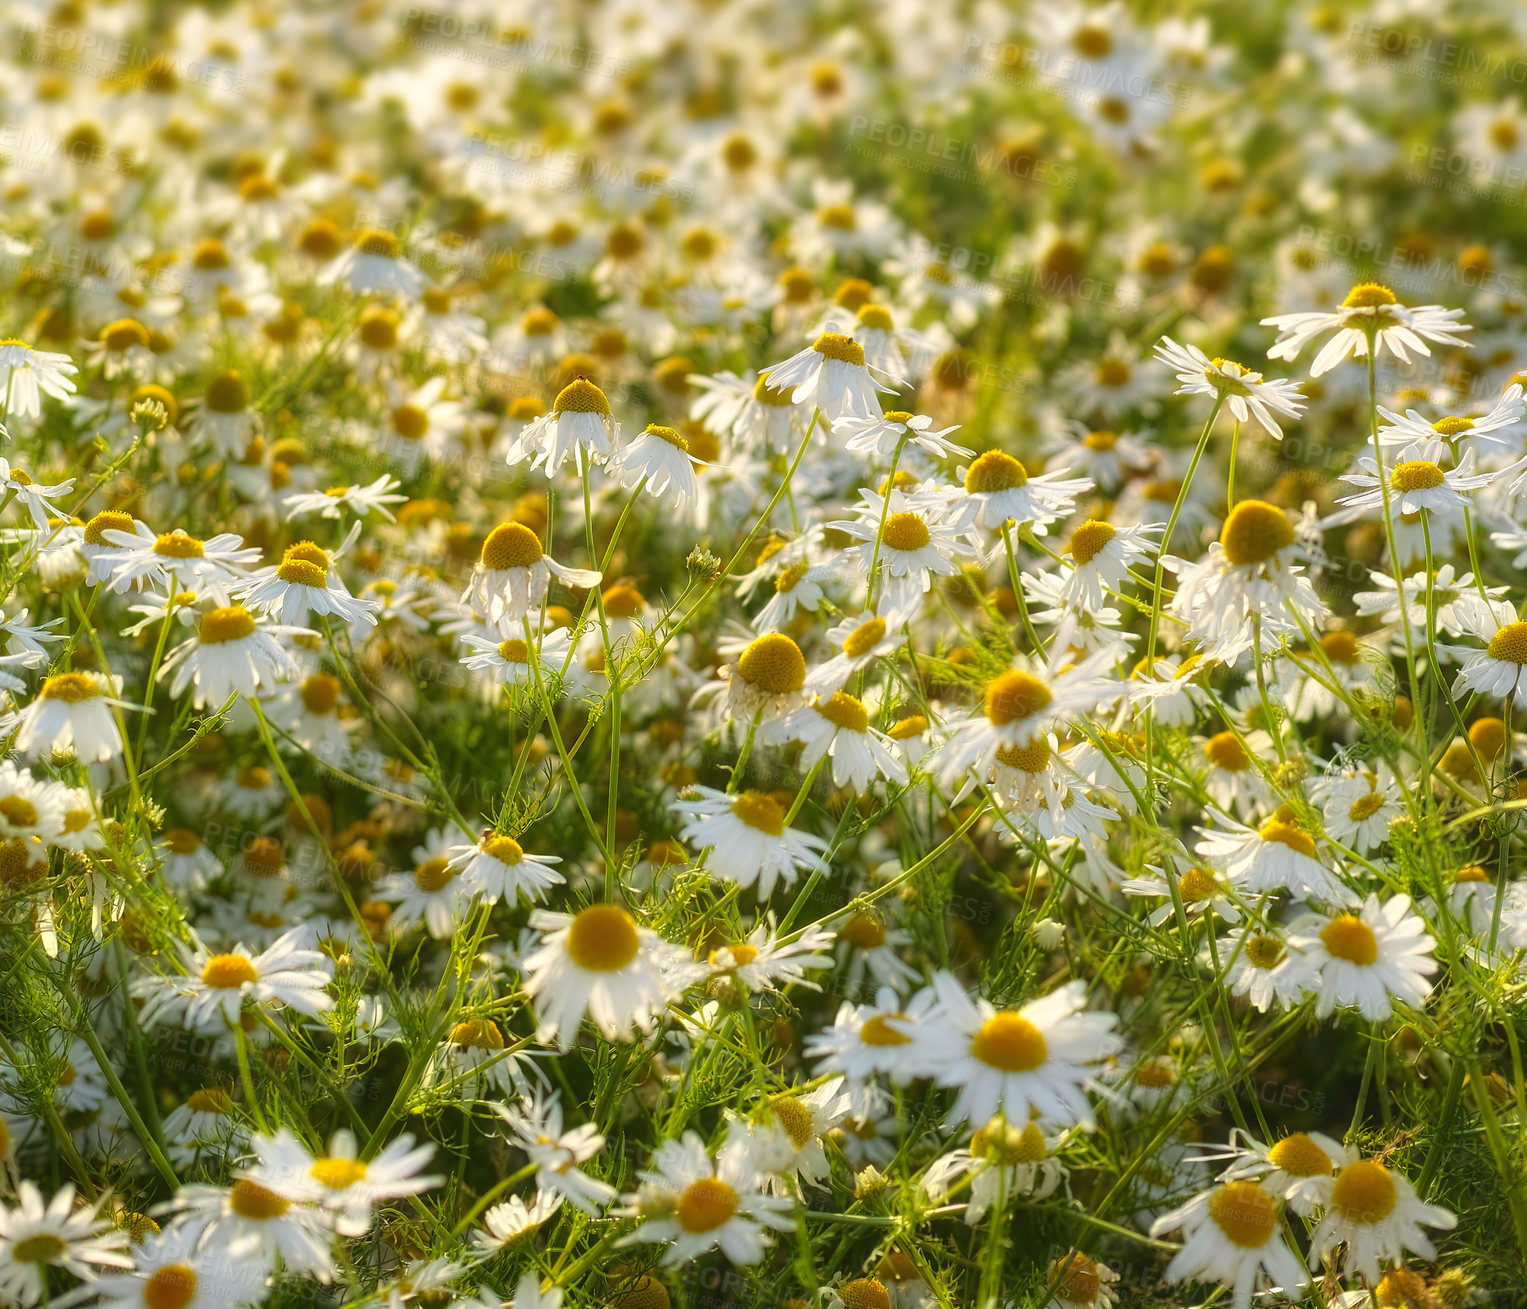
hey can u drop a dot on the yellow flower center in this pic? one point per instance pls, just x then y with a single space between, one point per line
864 1293
177 545
170 1287
842 348
1254 532
905 531
995 470
226 972
1368 295
877 317
906 728
603 939
510 545
1365 806
210 1100
668 434
1031 758
1452 426
705 1205
864 638
1089 538
838 216
477 1034
760 812
1509 645
1298 1156
124 334
788 580
1113 372
1225 751
249 1200
863 932
768 395
1348 937
320 694
1010 1042
18 811
1341 648
1364 1192
338 1174
877 1032
227 393
43 1248
304 564
375 241
844 711
1285 831
581 396
434 875
514 651
410 422
218 626
1015 695
378 328
1264 951
71 687
1197 884
1416 475
1245 1213
1075 1278
774 664
795 1118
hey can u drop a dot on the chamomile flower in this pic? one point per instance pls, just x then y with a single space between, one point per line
895 429
1370 316
1500 669
217 985
252 1223
374 262
602 963
513 661
1299 1168
788 1141
36 1237
35 497
764 962
27 374
1367 959
694 1204
231 653
659 462
73 711
579 425
1376 1213
497 867
514 572
1101 555
999 489
831 374
860 640
1482 433
305 582
171 1269
535 1126
902 542
747 840
1417 484
1246 393
375 497
837 727
1235 1235
871 1040
1278 855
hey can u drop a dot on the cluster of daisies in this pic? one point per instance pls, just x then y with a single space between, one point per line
710 654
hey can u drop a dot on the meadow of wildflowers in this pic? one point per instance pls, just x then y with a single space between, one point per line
742 655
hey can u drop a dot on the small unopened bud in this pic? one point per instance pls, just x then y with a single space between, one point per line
150 415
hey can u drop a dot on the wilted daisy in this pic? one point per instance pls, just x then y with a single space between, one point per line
746 840
1370 316
1367 959
599 961
658 461
837 727
72 712
694 1204
514 572
1246 394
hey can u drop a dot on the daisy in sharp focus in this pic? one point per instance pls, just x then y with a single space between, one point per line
1299 1168
346 1187
215 986
600 962
882 436
1235 1234
764 962
837 727
907 540
1257 964
832 375
1417 484
513 661
999 489
72 711
232 652
746 839
1246 394
1032 1062
33 496
1500 669
305 582
1480 433
1364 960
694 1205
514 572
497 867
1371 315
1101 555
579 425
860 640
176 561
658 461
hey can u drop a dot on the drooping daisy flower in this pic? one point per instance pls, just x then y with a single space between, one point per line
535 1125
1377 1214
340 1183
695 1205
1235 1234
832 375
1367 959
837 727
1247 394
374 262
1500 669
747 840
506 1223
514 572
1035 1061
306 582
72 711
578 424
1370 315
216 985
657 460
498 868
27 374
599 961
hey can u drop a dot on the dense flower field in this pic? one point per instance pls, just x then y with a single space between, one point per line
724 655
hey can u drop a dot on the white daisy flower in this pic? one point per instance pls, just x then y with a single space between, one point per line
535 1125
1500 669
72 711
374 262
578 424
36 1237
658 461
170 1270
512 662
746 839
1101 555
305 582
251 1223
232 651
33 496
860 640
514 572
1235 1235
1417 484
1377 1214
1258 965
998 489
1370 313
837 727
217 985
1478 433
831 374
27 374
1279 855
788 1141
507 1222
763 962
1365 960
175 561
1247 394
375 497
497 867
875 1039
880 437
1299 1168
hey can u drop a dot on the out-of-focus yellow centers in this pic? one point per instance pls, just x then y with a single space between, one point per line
227 972
1155 1074
875 316
799 286
378 328
1197 885
1006 1143
742 953
771 396
795 1118
539 321
477 1034
624 242
839 216
108 520
262 857
705 1205
1254 531
1416 475
1225 751
738 153
1364 1193
905 531
124 334
510 545
1298 1156
1263 951
304 564
410 422
669 435
1112 372
227 393
1089 539
1245 1213
18 811
210 1100
514 651
864 638
378 243
864 1293
878 1032
1010 1042
621 601
250 1200
760 811
1341 648
603 939
904 729
1074 1278
1472 873
320 694
72 688
863 932
170 1287
338 1174
788 580
210 256
834 345
219 626
773 664
1404 1288
581 396
320 239
505 849
1451 427
434 875
1348 937
843 711
1509 645
1015 695
1369 295
1031 758
994 470
643 1292
1284 828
